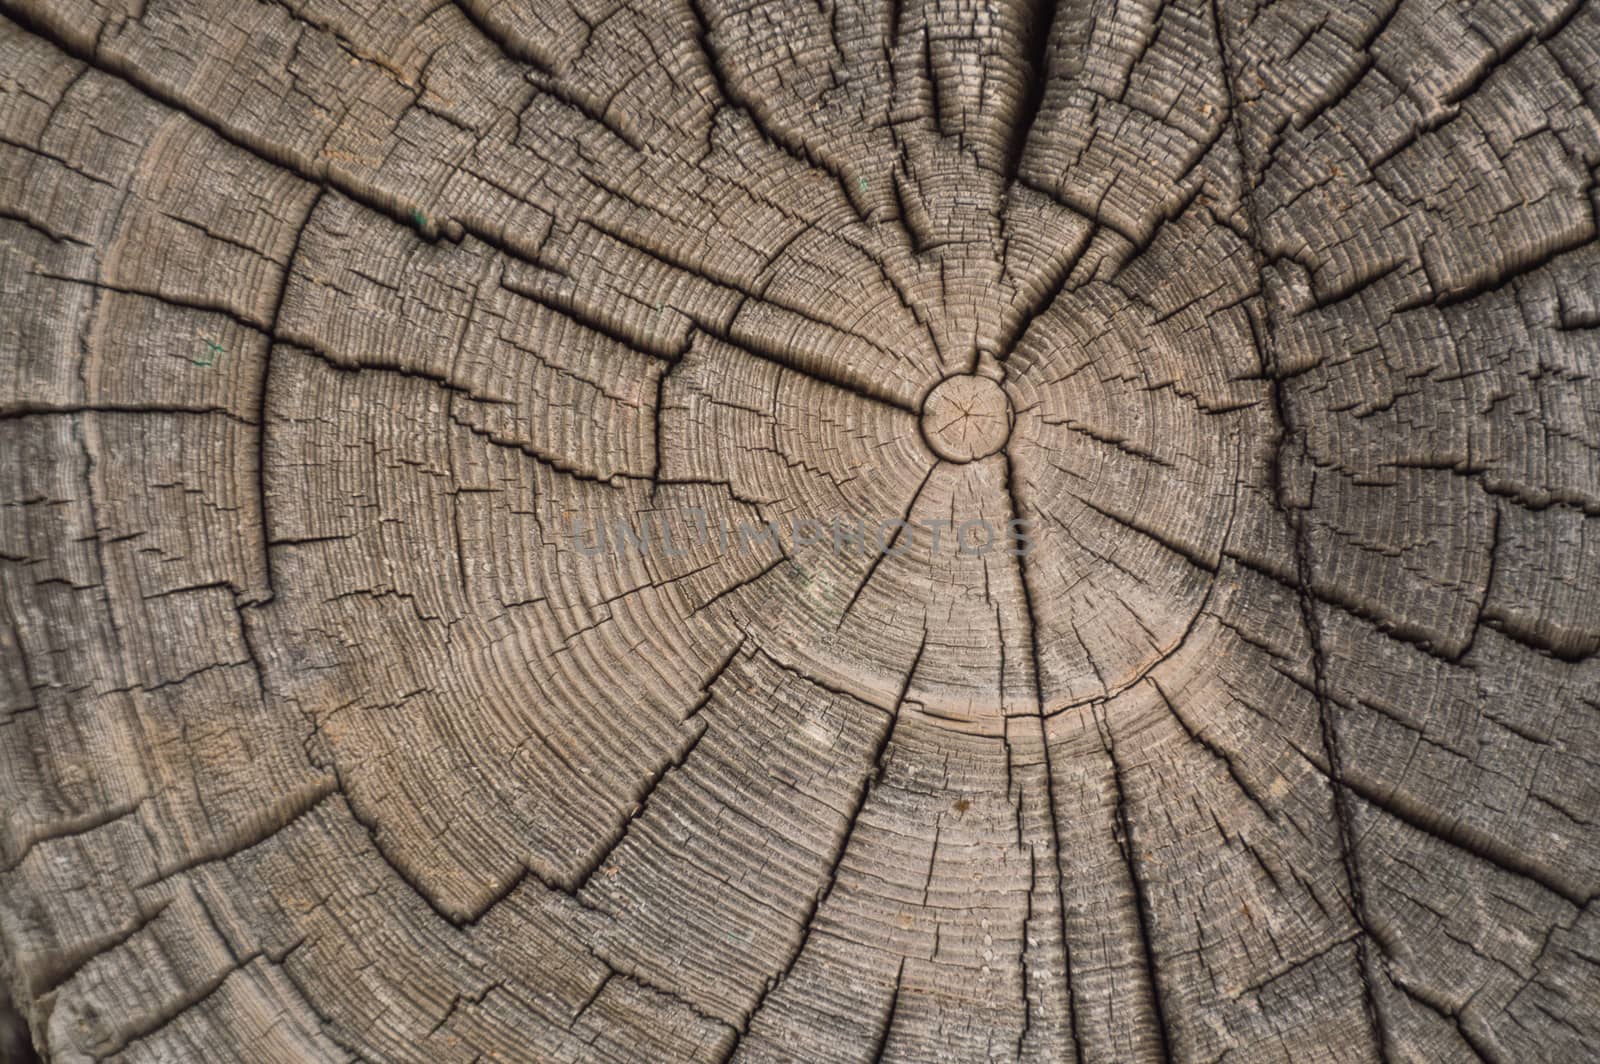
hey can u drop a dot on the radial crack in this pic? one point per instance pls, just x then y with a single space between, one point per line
1328 724
1049 767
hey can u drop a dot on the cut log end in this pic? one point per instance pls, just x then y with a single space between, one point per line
775 531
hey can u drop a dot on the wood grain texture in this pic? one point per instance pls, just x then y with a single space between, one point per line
323 737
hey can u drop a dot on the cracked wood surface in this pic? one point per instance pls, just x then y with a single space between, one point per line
321 739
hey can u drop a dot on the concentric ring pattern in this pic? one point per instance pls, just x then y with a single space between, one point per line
932 530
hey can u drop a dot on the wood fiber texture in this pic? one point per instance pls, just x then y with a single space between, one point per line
327 324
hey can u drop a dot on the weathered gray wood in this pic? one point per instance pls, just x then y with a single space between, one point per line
322 739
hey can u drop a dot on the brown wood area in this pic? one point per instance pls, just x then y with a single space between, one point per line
800 530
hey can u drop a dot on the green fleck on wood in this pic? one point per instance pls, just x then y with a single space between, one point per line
213 349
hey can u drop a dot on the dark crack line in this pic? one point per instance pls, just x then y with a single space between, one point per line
321 174
576 884
821 376
1041 19
726 332
885 549
1460 836
1267 350
1198 738
869 781
796 149
569 310
46 978
886 1027
198 305
1054 289
821 684
716 675
27 410
545 79
1194 621
1049 768
1427 1001
675 997
1127 844
731 588
264 390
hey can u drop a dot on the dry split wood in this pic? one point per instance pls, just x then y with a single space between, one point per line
330 324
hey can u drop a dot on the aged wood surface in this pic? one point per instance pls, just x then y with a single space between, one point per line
323 738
